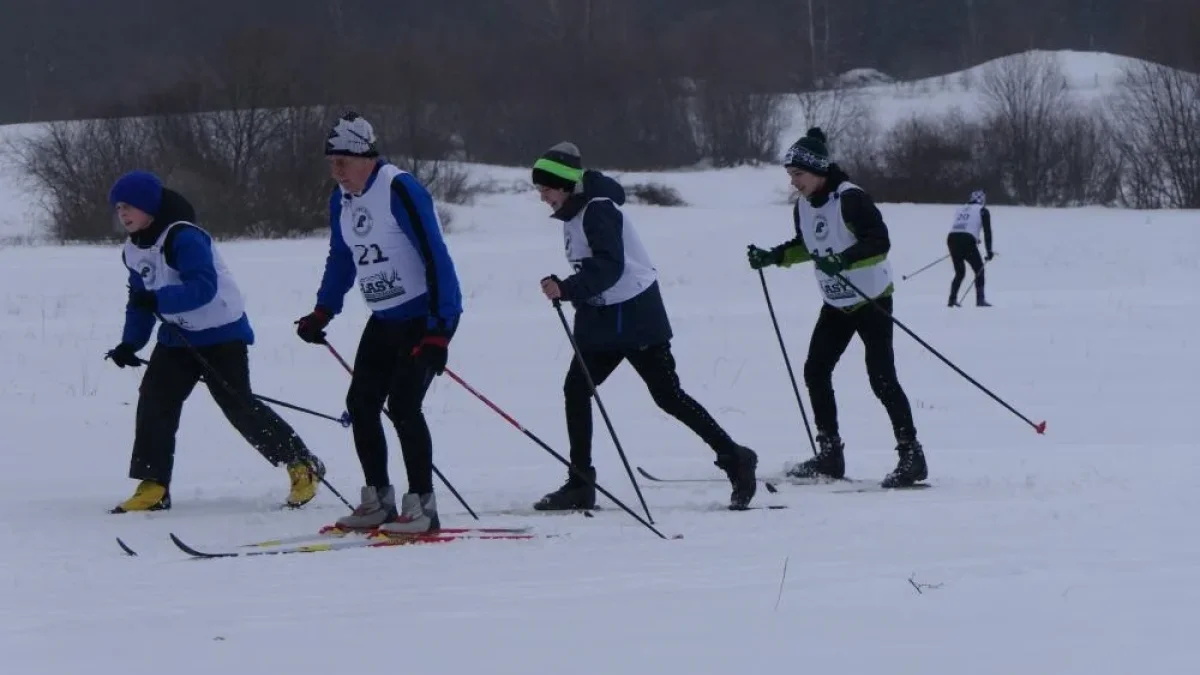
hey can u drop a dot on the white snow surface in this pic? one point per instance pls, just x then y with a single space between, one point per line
1072 552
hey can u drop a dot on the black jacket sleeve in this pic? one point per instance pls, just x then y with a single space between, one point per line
603 226
866 222
986 219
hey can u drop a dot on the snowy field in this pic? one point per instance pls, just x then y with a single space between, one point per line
1069 553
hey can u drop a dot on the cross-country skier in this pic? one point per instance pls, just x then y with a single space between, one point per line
619 316
963 242
176 271
839 229
385 234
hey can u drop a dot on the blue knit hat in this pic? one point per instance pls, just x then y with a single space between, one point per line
139 189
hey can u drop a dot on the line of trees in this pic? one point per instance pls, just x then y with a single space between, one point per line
252 159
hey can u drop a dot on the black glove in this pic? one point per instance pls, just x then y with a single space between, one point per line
760 258
989 255
432 351
145 300
124 355
311 327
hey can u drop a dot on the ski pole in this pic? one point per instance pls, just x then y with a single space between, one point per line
787 362
909 276
599 404
387 412
1039 427
343 420
540 443
216 377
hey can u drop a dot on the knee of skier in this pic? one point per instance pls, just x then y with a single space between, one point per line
817 373
576 390
361 406
666 397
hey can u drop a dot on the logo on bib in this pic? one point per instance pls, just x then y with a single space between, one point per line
381 286
820 228
148 273
361 221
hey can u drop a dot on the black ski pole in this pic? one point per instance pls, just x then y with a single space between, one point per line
599 404
787 362
212 372
540 443
436 471
344 420
909 276
1039 427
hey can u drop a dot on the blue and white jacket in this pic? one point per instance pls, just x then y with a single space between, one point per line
193 288
389 240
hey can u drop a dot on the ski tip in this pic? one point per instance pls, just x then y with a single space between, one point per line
125 547
1040 427
770 487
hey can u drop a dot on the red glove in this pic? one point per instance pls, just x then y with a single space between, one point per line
311 327
431 352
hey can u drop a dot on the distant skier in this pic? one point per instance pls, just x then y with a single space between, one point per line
963 242
619 315
175 270
385 233
839 229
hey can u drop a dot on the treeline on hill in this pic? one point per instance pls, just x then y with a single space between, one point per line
632 95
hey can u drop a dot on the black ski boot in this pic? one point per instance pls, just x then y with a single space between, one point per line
739 463
575 494
911 469
830 461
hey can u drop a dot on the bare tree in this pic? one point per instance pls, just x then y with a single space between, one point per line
932 160
71 166
843 113
1159 139
1090 167
1025 101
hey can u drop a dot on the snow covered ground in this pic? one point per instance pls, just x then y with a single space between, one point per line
1073 552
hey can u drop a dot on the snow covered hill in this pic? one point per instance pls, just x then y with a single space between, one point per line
1069 553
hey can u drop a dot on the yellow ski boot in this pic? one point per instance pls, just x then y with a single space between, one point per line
149 496
306 475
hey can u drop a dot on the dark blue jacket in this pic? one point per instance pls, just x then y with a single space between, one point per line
188 250
638 322
413 209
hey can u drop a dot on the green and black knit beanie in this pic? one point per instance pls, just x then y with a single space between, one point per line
560 167
810 153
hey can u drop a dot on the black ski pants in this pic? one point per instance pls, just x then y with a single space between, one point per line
171 375
656 366
964 249
830 338
386 373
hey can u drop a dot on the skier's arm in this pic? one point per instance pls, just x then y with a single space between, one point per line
985 218
795 251
863 218
339 274
413 209
139 324
190 253
603 226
